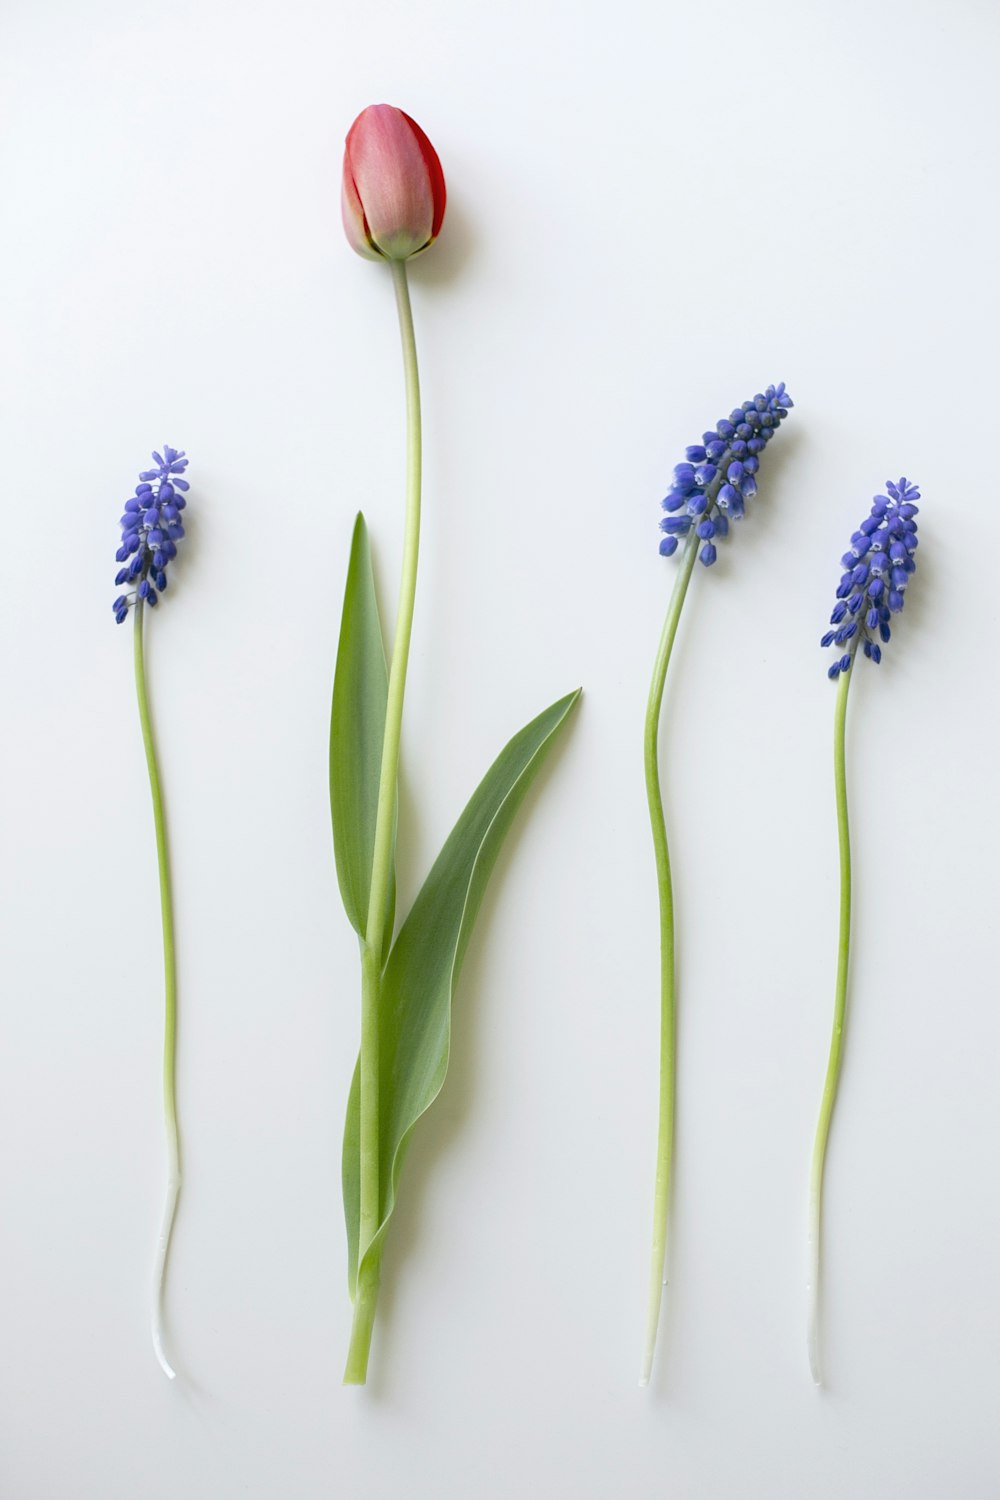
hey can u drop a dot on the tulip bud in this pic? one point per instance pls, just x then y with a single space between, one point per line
393 193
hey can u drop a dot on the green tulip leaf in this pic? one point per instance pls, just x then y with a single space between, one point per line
357 726
423 967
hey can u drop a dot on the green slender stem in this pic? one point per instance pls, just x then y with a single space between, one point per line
668 1020
365 1299
837 1039
370 987
378 901
170 1003
386 812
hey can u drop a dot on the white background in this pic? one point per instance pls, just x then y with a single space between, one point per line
654 211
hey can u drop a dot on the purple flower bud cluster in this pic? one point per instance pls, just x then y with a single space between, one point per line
877 568
151 528
720 474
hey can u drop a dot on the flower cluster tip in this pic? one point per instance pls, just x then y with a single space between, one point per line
878 565
151 528
719 474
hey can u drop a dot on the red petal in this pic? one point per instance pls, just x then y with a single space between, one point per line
434 171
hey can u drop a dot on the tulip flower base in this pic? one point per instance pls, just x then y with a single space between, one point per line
393 206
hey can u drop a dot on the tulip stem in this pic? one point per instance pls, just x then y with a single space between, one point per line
668 1019
378 903
835 1059
365 1298
170 1008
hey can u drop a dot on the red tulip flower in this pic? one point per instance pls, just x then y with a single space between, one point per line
393 201
393 191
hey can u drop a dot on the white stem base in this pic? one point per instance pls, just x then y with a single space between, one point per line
812 1294
159 1272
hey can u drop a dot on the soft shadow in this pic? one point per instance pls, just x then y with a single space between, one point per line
912 621
450 252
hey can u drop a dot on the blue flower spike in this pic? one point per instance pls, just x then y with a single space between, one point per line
719 475
878 565
877 570
151 528
711 490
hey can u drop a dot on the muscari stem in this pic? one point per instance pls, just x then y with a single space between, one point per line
837 1039
378 901
668 1024
170 1004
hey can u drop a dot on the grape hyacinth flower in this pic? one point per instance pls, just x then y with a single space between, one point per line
393 200
710 492
878 566
151 528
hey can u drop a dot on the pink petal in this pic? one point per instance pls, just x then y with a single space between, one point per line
354 218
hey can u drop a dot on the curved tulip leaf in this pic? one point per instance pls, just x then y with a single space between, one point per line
357 725
423 967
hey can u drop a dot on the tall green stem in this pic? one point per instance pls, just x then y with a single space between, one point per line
386 812
837 1039
378 901
365 1299
668 1020
170 1003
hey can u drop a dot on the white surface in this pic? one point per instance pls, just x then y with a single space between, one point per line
654 210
